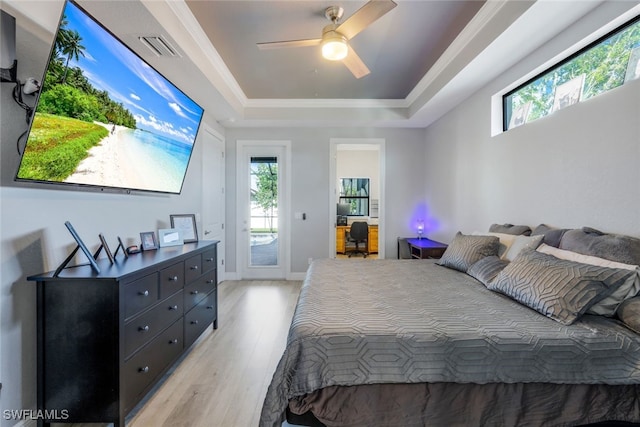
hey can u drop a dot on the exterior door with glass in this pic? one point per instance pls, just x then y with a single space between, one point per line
262 201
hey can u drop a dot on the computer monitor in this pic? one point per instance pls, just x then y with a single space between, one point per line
344 209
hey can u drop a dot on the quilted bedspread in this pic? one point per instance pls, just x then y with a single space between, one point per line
410 321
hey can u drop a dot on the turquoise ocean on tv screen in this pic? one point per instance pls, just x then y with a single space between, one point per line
165 160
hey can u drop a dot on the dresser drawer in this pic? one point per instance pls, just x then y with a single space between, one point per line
140 330
199 317
140 294
151 361
209 259
196 291
171 279
192 268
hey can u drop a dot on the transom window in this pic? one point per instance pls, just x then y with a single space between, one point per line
603 65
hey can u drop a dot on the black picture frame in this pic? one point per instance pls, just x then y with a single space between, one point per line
148 241
107 250
124 249
186 223
80 245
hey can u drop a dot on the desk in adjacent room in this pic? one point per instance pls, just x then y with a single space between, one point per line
341 238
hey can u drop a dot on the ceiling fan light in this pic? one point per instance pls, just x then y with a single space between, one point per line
335 48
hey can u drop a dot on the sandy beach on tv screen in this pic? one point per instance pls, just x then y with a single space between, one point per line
113 163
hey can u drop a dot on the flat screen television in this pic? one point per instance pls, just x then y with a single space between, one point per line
105 118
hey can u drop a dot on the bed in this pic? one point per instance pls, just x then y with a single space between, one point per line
407 342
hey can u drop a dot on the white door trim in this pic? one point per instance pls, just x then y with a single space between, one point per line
207 194
362 143
284 232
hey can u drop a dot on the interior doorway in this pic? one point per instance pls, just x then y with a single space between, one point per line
357 190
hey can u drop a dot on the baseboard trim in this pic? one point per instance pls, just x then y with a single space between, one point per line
232 275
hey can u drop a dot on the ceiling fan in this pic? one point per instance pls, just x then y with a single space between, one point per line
335 36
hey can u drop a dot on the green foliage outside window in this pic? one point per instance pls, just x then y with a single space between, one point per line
265 193
604 65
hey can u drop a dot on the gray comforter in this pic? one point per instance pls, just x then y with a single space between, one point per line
407 321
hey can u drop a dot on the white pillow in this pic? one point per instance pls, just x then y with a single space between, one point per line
505 240
522 242
609 305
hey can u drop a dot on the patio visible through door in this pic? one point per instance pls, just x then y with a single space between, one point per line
262 198
263 226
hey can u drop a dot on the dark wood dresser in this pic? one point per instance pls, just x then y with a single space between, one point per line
104 340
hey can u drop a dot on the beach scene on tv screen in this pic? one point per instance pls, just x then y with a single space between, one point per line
105 117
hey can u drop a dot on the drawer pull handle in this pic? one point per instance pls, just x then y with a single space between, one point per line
144 293
173 279
209 307
194 292
173 307
194 322
195 267
143 370
209 260
209 282
174 341
144 328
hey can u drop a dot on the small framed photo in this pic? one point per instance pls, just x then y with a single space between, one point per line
148 239
186 223
568 93
170 237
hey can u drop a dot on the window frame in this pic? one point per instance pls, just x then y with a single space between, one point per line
506 107
347 198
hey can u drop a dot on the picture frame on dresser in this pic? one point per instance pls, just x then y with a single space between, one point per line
186 223
121 246
148 241
170 237
80 245
105 246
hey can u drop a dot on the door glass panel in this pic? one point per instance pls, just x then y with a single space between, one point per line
264 211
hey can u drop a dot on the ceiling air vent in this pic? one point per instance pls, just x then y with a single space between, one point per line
159 46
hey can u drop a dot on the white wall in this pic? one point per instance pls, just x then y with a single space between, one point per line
33 238
310 186
577 167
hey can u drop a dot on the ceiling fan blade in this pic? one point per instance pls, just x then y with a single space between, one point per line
355 64
364 17
289 43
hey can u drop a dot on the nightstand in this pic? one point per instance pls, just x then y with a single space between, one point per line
425 248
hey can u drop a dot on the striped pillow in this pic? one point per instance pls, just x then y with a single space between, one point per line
487 269
465 250
560 289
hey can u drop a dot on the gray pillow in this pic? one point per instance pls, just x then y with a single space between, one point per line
465 250
523 230
629 313
614 247
551 236
487 269
560 289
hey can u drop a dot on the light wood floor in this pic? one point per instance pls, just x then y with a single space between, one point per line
223 380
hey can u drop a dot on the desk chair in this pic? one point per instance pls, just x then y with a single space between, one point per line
358 233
